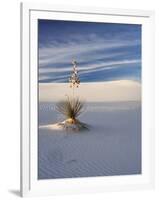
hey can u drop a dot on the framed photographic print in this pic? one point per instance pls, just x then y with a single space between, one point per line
87 96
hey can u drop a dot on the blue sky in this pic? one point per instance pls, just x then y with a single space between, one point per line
103 51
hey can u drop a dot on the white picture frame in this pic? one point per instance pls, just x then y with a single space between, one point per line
30 185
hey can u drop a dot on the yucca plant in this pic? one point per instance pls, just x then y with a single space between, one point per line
72 107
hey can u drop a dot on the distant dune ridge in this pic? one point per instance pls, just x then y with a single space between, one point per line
122 90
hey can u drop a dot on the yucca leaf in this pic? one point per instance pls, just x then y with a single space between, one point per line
71 107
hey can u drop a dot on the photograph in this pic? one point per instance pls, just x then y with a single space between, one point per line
89 99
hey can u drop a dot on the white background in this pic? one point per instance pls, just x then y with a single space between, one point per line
10 97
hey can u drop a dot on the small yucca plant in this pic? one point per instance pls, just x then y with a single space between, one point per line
71 108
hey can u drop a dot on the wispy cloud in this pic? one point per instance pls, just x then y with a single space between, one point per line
54 54
92 67
95 53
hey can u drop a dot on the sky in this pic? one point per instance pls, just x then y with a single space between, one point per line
103 51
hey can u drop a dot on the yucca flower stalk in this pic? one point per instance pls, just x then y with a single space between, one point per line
74 79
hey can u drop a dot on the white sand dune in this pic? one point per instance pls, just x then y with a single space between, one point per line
112 146
51 127
123 90
63 126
